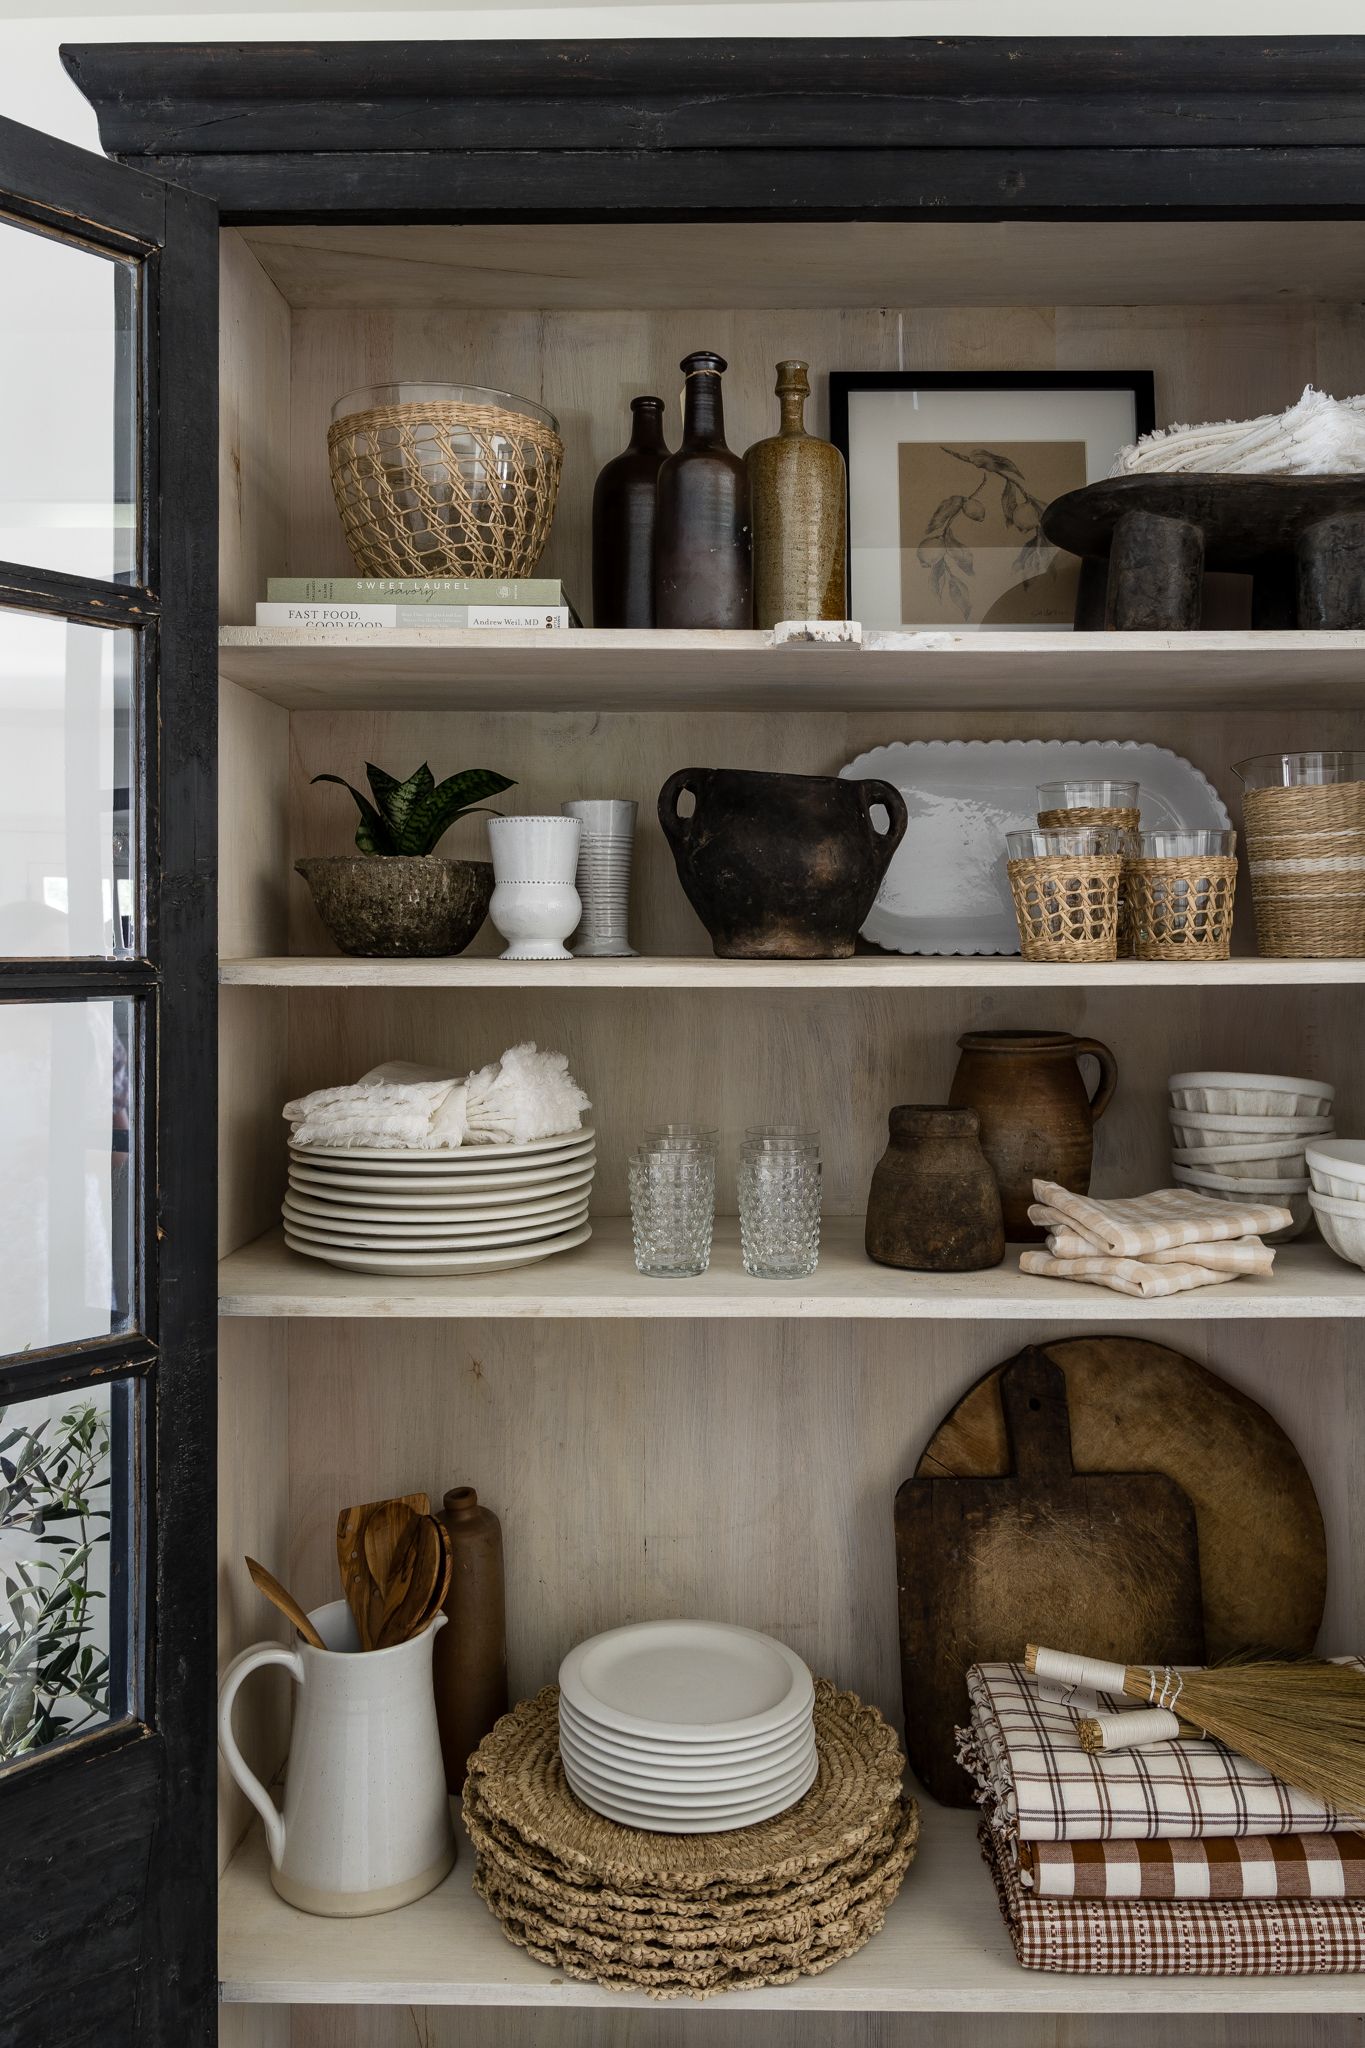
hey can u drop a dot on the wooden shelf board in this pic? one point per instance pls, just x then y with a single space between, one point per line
341 668
864 971
816 263
943 1949
265 1278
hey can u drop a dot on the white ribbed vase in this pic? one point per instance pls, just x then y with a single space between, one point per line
604 859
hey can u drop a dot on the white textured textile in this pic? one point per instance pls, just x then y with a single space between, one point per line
524 1095
1317 436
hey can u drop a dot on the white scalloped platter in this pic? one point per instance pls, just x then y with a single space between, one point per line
946 890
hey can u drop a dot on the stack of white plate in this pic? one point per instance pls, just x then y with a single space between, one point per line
477 1210
1337 1169
686 1727
1241 1137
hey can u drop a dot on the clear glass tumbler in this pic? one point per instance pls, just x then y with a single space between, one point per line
779 1210
672 1210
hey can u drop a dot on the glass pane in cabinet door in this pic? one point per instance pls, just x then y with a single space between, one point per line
68 368
66 1171
64 1470
68 877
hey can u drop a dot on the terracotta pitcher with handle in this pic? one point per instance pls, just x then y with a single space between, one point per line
1037 1120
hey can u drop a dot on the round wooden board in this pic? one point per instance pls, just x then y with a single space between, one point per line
1139 1407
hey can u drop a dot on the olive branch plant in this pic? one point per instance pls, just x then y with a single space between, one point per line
54 1495
943 550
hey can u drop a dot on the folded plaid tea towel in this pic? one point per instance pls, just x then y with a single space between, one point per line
1123 1276
1036 1784
1146 1937
1217 1867
1135 1227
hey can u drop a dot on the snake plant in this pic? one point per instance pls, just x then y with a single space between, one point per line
410 817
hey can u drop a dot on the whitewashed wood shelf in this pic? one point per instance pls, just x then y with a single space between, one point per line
265 1278
864 971
943 1949
345 668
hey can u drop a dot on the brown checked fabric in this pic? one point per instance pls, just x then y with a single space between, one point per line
1157 1937
1221 1867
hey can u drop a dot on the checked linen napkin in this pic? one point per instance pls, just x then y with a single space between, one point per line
1172 1937
1036 1784
1149 1245
1219 1867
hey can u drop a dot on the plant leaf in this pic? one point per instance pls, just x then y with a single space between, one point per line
401 799
946 509
430 818
960 596
372 835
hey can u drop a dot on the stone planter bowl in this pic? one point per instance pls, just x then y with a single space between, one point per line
393 906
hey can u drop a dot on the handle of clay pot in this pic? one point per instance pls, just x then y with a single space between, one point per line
676 828
240 1668
892 802
1109 1074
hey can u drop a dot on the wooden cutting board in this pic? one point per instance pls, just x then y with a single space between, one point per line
1137 1405
1103 1563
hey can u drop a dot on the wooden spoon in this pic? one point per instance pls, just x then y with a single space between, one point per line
393 1588
355 1582
408 1614
266 1582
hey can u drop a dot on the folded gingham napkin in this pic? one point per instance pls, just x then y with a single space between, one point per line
1216 1867
1176 1937
1137 1226
1124 1276
1036 1784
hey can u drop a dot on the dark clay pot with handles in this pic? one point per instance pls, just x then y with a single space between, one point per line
780 867
1037 1121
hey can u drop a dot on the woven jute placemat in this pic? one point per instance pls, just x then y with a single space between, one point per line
691 1914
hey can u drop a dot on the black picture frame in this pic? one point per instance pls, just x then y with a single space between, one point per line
1139 384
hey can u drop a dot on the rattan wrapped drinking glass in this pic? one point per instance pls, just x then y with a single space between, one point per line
444 480
1066 892
1070 806
1305 845
1180 889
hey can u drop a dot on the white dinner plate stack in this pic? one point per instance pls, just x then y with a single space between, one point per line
1242 1137
686 1727
476 1210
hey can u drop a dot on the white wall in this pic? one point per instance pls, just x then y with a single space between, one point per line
35 89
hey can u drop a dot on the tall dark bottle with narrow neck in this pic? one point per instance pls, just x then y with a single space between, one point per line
703 537
623 503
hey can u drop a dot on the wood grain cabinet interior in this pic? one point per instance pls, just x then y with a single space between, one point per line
725 1446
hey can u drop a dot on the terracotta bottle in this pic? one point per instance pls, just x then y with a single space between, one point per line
703 542
623 523
471 1654
933 1206
1037 1120
798 495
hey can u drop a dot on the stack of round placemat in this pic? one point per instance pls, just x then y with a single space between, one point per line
691 1914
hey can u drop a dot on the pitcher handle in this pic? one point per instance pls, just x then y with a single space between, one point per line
240 1668
886 795
675 827
1109 1074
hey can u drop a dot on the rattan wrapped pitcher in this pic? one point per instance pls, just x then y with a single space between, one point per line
1305 846
444 480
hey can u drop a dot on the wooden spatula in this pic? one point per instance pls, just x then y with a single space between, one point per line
266 1582
417 1575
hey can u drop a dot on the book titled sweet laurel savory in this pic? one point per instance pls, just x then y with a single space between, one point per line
537 590
426 617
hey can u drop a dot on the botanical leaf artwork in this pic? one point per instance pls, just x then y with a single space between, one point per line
945 550
54 1516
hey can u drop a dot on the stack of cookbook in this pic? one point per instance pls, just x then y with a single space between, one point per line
380 603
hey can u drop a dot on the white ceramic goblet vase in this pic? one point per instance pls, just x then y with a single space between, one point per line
535 904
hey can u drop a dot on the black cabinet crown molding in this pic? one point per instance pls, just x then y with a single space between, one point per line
751 128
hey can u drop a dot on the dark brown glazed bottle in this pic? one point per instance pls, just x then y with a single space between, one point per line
470 1661
703 539
623 523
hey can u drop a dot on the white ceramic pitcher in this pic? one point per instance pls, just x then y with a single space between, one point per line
366 1821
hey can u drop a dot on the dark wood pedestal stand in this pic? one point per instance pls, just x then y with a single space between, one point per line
1145 542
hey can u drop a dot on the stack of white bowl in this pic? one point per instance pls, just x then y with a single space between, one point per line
478 1209
1337 1169
1242 1137
686 1727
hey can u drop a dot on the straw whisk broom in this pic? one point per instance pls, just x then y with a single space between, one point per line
1303 1720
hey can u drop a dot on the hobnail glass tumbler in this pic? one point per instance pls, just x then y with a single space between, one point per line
672 1211
779 1213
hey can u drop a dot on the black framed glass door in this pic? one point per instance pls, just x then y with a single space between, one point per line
108 342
